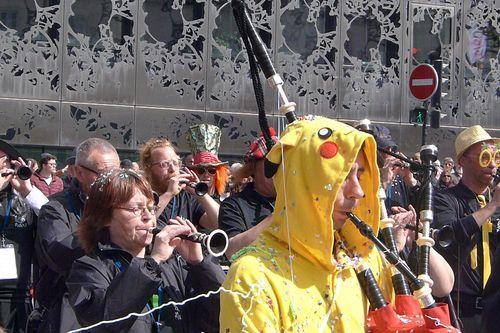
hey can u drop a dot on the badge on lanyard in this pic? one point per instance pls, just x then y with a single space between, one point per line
8 271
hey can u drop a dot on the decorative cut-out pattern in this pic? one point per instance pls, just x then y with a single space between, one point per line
161 59
481 62
172 124
29 48
236 129
173 48
308 51
90 120
371 59
230 86
33 119
100 42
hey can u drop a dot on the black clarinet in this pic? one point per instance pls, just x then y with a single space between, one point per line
386 229
421 291
216 242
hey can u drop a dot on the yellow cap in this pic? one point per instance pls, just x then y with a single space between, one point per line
470 136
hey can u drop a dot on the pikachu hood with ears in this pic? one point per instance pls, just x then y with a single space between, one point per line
314 157
299 275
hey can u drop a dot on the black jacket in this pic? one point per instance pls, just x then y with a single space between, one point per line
110 284
17 231
57 248
454 206
244 210
490 322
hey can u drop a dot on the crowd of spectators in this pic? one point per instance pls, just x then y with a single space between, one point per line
85 251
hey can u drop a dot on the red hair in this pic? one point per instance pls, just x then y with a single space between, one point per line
221 178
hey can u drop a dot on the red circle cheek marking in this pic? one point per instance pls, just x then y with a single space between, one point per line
328 149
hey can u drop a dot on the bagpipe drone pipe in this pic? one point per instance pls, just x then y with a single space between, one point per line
417 312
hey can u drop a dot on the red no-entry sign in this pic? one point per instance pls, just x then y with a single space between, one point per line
423 81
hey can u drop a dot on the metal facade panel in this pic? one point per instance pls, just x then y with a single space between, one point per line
229 88
433 29
30 47
27 121
172 53
169 123
343 59
307 41
370 60
238 130
481 63
99 51
111 122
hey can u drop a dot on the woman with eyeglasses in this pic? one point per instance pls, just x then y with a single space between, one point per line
118 276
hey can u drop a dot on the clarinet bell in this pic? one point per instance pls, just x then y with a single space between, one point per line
444 236
200 189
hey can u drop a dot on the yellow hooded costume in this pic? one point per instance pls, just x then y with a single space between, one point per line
298 276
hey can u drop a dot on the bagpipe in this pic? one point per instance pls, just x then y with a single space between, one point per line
415 309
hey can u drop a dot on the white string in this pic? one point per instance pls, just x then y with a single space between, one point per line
135 314
438 322
290 260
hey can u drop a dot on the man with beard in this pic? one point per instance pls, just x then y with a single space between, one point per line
162 168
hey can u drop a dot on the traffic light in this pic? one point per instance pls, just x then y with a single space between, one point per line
418 115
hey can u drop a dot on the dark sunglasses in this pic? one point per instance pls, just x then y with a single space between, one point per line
202 169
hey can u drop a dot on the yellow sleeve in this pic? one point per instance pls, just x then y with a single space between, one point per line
250 304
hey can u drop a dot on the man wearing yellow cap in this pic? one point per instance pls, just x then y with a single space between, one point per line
472 210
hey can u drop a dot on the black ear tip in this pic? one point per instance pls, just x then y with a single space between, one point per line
270 168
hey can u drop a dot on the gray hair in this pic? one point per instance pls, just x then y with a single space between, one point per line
448 159
90 146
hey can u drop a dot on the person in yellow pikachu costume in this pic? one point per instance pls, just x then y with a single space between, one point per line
300 274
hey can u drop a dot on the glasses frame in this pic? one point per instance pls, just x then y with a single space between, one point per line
167 164
89 169
495 157
201 170
140 211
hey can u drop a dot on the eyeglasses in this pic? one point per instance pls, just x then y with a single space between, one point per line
140 211
89 169
167 164
487 156
202 169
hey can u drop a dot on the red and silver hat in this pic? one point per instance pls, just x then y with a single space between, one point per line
204 141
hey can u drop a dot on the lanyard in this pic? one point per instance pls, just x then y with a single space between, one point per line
6 217
156 301
72 206
174 204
